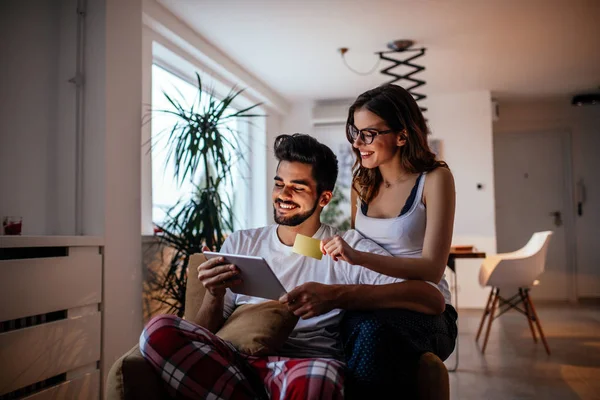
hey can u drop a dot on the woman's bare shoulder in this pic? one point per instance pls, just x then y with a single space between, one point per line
440 175
439 181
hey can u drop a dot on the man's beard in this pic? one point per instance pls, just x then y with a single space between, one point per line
294 220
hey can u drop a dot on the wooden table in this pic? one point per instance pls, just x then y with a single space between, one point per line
454 254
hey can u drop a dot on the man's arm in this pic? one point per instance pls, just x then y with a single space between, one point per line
210 314
216 277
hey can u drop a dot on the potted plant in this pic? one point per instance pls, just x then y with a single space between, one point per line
333 214
203 149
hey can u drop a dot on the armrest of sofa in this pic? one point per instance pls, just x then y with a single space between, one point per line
194 293
433 382
131 377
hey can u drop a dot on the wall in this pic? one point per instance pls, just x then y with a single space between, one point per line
463 122
264 133
146 157
121 168
297 120
583 123
62 152
30 34
37 142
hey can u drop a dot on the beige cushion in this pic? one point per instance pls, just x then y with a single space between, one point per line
259 329
256 329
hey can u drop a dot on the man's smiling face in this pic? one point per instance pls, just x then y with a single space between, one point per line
295 197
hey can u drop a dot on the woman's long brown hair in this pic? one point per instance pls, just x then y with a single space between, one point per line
401 113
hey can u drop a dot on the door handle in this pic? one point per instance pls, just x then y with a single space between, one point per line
557 218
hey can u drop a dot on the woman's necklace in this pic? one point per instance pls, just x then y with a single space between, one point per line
388 183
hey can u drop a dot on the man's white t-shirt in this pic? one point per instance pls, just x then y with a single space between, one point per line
313 337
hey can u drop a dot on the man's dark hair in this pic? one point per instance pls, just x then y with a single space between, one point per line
307 150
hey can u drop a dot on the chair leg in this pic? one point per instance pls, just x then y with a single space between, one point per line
491 319
486 311
528 314
537 321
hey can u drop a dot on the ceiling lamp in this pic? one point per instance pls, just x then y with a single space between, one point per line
400 53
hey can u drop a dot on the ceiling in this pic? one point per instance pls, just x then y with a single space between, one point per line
515 48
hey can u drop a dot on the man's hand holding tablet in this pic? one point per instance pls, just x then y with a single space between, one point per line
216 275
254 275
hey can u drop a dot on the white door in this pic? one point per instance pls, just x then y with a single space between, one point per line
532 194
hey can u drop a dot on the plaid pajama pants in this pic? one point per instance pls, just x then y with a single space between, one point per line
196 364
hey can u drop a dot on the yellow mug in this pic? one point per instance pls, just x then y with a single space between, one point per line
307 246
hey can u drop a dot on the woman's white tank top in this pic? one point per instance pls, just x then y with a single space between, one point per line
401 236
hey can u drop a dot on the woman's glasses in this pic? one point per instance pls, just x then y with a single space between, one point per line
366 135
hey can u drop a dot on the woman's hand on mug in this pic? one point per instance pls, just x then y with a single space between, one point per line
338 249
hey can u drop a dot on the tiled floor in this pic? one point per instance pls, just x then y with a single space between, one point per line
514 367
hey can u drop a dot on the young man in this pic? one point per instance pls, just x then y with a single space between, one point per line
308 366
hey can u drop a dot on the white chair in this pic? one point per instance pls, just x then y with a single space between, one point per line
511 273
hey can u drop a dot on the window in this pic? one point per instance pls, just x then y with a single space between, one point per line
166 191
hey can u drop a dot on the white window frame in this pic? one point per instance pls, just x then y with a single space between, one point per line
158 50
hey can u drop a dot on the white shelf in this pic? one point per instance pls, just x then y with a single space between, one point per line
50 241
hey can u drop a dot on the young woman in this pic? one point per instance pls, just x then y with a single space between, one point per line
403 199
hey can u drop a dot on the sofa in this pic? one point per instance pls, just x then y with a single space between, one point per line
131 377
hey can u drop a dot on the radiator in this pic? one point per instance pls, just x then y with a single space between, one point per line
50 317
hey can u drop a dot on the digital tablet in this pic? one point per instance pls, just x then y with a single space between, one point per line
258 279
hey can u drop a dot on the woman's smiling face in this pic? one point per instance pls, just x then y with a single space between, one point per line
384 146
